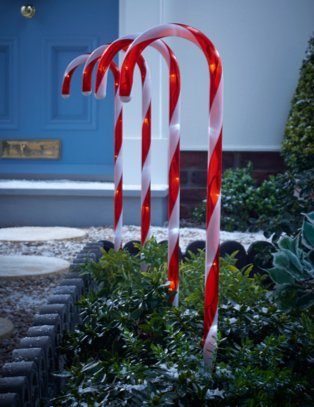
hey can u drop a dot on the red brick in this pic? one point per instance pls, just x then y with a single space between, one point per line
184 177
270 161
186 211
227 160
192 195
199 178
194 159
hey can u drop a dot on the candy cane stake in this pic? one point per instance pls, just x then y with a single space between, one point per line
118 45
118 165
73 65
214 160
174 173
110 52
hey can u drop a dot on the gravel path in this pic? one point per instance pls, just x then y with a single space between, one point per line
20 299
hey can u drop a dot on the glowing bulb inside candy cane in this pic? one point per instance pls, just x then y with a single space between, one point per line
214 159
174 155
72 66
122 44
108 55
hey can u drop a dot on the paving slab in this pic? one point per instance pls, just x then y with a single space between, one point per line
39 234
14 267
6 328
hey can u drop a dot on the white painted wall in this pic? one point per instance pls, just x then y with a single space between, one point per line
261 43
135 17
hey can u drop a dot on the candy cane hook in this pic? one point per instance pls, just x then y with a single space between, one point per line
214 160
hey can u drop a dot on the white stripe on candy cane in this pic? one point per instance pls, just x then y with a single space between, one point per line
215 119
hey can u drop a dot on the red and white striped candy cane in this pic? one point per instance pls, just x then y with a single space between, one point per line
92 59
174 168
174 157
214 160
174 120
112 50
118 138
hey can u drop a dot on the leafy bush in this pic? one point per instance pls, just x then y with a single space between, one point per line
133 348
275 206
280 202
238 187
237 199
298 144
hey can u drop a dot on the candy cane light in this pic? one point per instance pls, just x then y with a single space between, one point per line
168 55
174 155
66 86
114 48
214 159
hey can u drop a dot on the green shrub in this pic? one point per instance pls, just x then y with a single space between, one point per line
275 206
133 348
298 143
237 200
237 205
280 202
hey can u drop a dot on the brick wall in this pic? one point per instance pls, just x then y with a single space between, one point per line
194 166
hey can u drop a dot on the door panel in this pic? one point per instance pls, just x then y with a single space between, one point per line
8 76
33 55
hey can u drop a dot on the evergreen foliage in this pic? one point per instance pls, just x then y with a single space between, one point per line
133 348
275 206
298 144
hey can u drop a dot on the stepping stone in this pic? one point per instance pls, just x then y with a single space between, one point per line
6 328
14 267
39 234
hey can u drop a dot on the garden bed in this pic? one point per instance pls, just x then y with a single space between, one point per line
258 356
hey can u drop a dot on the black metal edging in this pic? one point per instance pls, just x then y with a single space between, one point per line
27 380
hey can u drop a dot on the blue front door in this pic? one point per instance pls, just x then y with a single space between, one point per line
33 55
